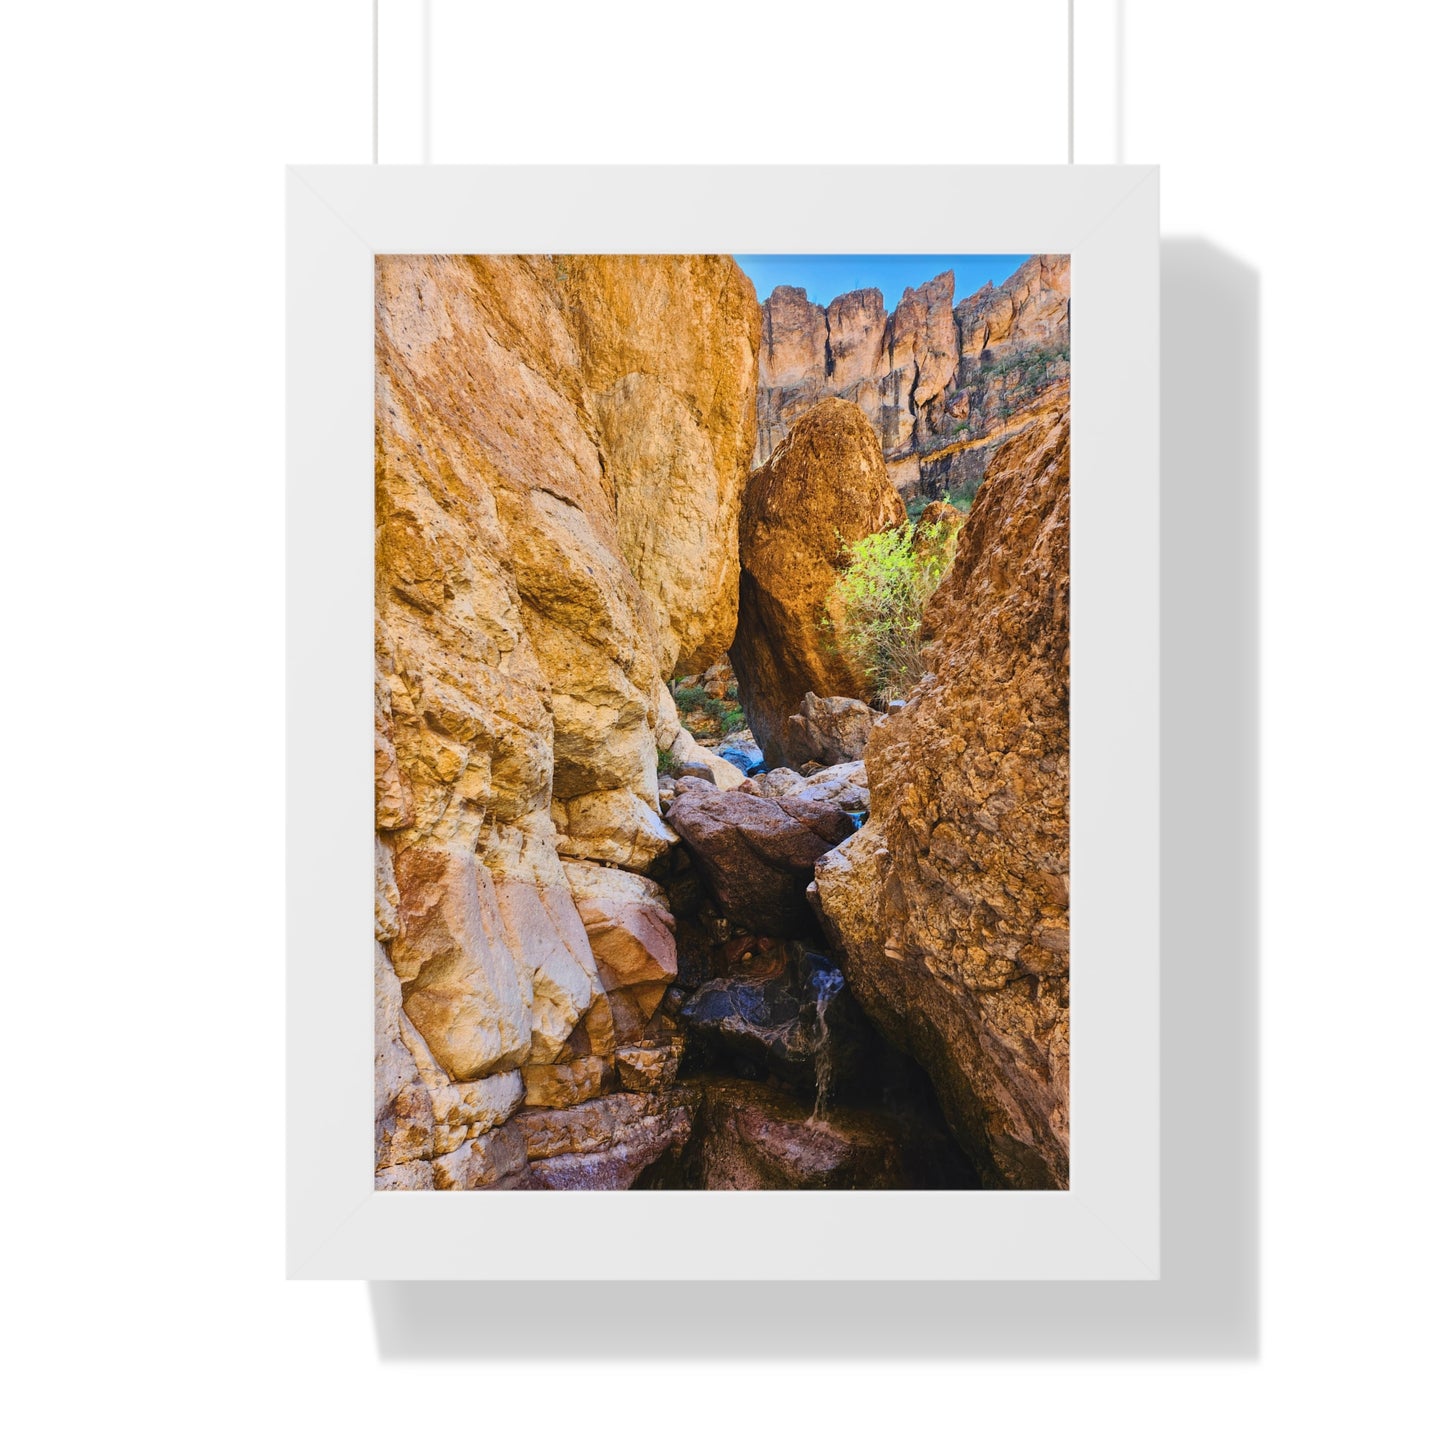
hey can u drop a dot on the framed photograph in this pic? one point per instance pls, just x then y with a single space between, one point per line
739 733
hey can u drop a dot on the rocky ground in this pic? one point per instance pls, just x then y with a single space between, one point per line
661 901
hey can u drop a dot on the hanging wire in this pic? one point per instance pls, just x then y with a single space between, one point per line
376 82
1071 82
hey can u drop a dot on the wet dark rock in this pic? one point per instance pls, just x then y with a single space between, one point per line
748 1135
757 854
756 1018
784 1008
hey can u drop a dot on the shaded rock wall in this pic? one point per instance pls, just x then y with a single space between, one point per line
824 487
943 385
951 905
561 446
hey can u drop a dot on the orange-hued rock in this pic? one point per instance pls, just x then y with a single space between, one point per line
630 932
824 488
951 905
668 348
857 327
561 448
942 384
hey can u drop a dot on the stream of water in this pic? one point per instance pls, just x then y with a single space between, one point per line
830 983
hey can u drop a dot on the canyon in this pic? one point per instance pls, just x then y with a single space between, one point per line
828 949
942 385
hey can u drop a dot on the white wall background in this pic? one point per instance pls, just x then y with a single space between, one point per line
144 788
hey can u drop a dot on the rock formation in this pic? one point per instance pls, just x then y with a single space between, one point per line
757 854
561 447
943 385
824 487
951 905
828 730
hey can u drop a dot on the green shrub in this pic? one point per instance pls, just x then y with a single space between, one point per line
665 761
722 712
879 600
689 699
727 715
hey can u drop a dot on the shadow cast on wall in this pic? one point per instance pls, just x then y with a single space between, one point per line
1207 1303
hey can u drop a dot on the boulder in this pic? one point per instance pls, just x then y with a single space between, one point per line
844 786
746 756
823 488
687 751
756 855
951 906
693 770
747 1135
630 931
828 730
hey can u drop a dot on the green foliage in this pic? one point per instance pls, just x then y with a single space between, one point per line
727 715
1032 365
723 712
665 761
879 598
689 699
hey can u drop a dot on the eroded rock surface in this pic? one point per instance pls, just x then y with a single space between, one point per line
943 385
951 906
828 730
823 488
844 786
561 447
757 854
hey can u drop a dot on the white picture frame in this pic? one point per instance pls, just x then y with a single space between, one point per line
1106 1226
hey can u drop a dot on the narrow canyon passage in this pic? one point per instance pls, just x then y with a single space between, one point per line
678 884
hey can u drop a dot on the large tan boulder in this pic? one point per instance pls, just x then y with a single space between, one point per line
951 905
824 488
561 447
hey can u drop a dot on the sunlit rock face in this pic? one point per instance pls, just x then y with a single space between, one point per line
942 384
824 488
561 449
951 905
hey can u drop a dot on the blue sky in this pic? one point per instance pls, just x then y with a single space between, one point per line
824 277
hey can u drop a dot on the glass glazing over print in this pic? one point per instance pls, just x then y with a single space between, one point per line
722 711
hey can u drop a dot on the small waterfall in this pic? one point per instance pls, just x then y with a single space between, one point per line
829 982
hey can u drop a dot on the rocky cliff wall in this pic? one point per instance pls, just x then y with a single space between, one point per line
561 447
943 385
951 905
